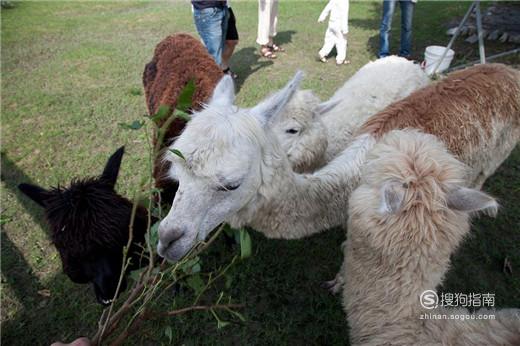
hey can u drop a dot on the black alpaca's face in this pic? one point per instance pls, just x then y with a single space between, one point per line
102 270
89 223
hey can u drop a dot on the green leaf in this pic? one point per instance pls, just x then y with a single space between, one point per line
221 324
169 333
135 125
191 266
196 283
229 281
153 235
162 113
245 244
182 115
238 314
178 153
185 97
134 275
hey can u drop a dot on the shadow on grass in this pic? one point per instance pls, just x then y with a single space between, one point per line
284 37
16 272
245 62
11 176
248 60
37 309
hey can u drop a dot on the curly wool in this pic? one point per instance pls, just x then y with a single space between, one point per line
475 112
391 258
177 59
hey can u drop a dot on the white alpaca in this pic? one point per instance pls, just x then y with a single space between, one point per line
238 173
313 134
407 218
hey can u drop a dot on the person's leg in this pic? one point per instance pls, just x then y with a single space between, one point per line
386 26
211 24
407 8
273 22
341 48
264 19
231 40
229 48
328 44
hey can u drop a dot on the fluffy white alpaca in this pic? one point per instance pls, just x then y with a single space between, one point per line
238 173
407 218
306 127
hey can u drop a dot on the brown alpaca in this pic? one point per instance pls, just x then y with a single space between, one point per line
177 60
475 112
408 216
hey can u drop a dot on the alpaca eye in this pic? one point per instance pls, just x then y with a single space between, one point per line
291 131
230 187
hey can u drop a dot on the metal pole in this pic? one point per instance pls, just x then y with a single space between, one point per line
489 58
455 35
480 32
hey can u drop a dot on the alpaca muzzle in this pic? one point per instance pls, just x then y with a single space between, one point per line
174 243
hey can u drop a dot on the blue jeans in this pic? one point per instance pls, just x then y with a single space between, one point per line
211 24
406 27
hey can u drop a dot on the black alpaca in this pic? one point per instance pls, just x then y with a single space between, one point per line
89 223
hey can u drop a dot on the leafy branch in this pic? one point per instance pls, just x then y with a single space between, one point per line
151 283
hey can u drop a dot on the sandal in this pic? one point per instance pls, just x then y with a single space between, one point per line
230 72
322 58
266 52
344 62
275 48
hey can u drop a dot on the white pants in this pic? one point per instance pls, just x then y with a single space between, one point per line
334 37
267 20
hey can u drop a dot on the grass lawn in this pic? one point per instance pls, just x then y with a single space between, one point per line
71 71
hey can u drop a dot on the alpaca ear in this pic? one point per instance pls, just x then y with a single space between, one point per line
326 106
36 193
112 167
470 200
224 93
392 196
269 108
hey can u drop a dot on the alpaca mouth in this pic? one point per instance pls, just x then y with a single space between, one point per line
107 301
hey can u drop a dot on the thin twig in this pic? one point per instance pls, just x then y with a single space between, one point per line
202 307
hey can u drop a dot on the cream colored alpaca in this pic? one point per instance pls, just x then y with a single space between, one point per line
313 134
407 217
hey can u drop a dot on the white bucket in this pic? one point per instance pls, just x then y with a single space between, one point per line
432 55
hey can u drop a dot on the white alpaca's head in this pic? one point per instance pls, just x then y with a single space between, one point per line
220 171
301 132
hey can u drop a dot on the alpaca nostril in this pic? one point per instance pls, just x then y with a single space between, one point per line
168 237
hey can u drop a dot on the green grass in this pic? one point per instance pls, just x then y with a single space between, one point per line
71 71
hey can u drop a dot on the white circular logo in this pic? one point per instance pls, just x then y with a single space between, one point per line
429 299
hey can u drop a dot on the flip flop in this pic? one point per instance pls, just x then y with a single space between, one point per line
344 62
276 48
266 52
